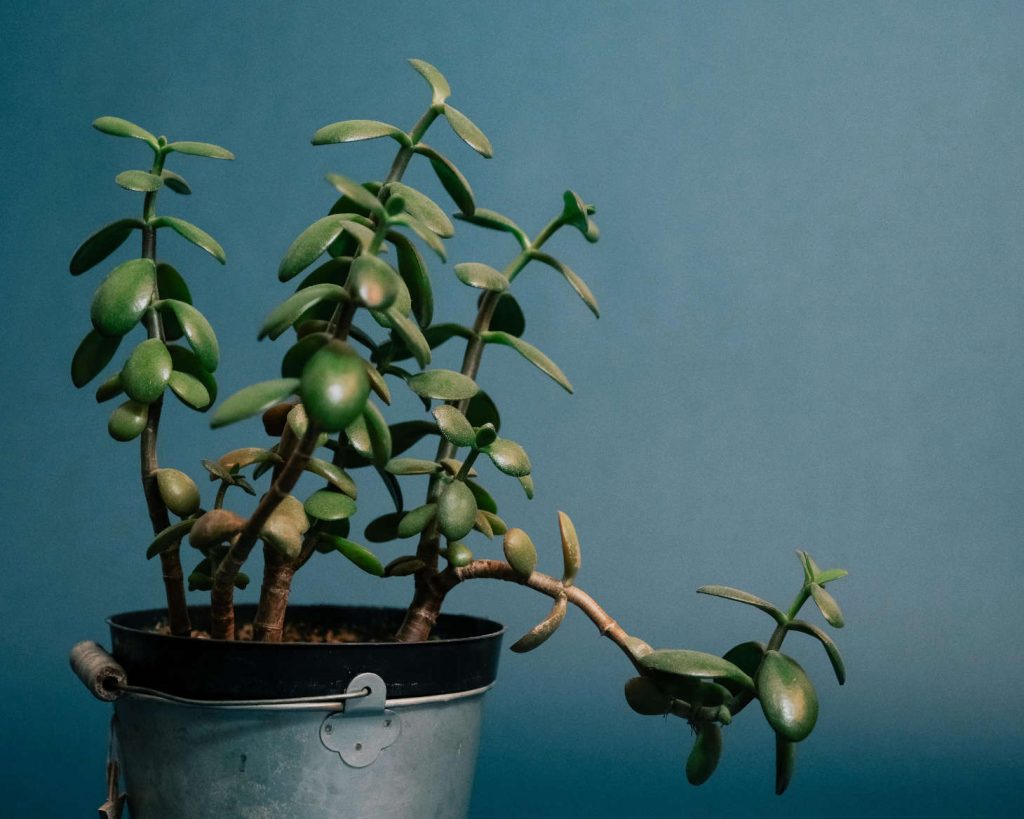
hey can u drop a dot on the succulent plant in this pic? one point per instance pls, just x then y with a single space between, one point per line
363 320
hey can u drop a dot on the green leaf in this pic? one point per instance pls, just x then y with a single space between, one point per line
356 193
413 271
741 596
509 457
175 182
407 434
687 664
747 657
171 285
169 537
707 750
577 283
577 214
287 312
377 383
139 181
425 233
177 490
310 245
543 630
423 208
438 84
354 130
829 575
198 332
102 243
415 521
200 149
334 475
374 282
527 483
281 534
93 354
127 421
147 371
444 385
190 390
827 605
253 400
188 366
412 466
403 566
787 696
111 388
520 552
334 386
570 549
197 236
329 505
834 657
476 274
467 131
482 410
483 217
121 300
508 316
456 511
384 528
359 555
531 354
484 501
485 436
785 764
644 697
454 426
451 178
378 433
115 126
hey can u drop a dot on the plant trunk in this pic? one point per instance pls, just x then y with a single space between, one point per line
277 580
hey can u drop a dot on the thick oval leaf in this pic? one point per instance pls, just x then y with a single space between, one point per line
374 282
508 316
329 505
540 632
187 363
175 182
123 297
147 371
334 386
412 466
829 575
484 500
354 130
407 434
476 274
384 528
520 552
467 131
378 433
139 181
280 534
577 283
834 657
171 285
178 491
577 213
287 312
423 208
359 555
253 400
298 355
438 84
531 354
431 239
169 537
644 697
334 475
485 436
92 355
200 149
456 511
482 410
747 657
410 334
509 457
115 126
190 390
444 385
198 332
197 236
310 245
127 421
451 179
785 764
111 388
403 566
417 520
570 548
787 697
413 271
483 217
707 750
694 664
741 596
355 192
827 605
454 426
102 243
292 511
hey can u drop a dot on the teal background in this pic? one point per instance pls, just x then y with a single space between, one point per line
811 277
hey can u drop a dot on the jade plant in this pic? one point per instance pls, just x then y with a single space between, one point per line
362 322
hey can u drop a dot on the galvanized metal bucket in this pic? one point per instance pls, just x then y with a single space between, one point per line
301 730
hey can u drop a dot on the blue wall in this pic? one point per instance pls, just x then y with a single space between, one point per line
811 275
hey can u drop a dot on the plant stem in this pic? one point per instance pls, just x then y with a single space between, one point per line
426 604
170 559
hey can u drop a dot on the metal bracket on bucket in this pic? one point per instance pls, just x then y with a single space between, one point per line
365 728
